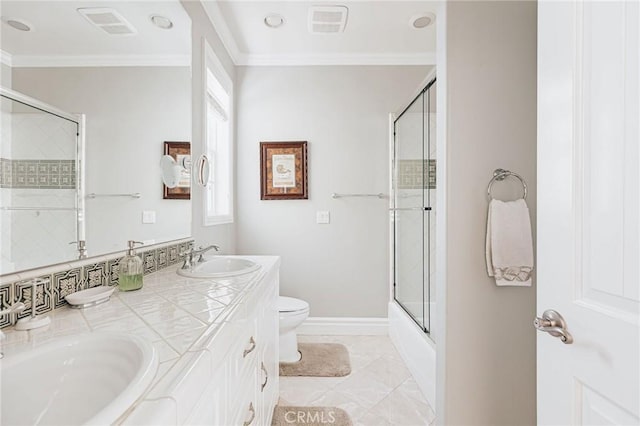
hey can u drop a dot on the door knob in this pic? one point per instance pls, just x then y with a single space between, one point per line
553 323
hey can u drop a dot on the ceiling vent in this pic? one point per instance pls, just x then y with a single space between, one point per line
108 20
327 19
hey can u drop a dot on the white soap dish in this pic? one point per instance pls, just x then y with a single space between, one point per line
89 297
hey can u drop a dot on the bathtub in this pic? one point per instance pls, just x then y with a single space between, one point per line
417 350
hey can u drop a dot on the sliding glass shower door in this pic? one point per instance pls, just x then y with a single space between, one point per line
413 211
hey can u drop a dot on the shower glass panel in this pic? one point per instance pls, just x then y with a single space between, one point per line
39 211
414 193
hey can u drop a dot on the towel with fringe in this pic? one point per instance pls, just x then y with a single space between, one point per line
509 245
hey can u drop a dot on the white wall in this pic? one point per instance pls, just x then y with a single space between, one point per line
201 29
341 269
5 76
130 113
486 348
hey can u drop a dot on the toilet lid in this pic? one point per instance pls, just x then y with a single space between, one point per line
290 304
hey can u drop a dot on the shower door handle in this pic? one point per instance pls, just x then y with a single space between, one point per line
426 209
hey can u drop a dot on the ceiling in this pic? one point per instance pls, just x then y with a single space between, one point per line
377 32
61 36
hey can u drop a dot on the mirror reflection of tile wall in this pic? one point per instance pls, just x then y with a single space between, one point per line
37 187
125 132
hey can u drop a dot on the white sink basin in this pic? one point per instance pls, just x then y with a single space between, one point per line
88 379
220 267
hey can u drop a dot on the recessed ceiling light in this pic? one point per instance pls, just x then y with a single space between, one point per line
18 24
161 22
274 20
422 21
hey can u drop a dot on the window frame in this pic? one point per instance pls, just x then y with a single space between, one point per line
211 63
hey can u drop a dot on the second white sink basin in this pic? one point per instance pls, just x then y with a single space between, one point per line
89 379
220 267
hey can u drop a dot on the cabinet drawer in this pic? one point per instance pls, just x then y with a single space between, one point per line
244 350
211 406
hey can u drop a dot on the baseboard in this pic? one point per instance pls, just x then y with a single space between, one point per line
344 326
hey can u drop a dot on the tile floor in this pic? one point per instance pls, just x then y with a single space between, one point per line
379 391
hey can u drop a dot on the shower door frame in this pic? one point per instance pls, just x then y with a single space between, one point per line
426 258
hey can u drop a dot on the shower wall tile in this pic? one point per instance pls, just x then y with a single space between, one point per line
46 174
410 174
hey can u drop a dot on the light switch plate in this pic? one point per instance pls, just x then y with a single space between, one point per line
323 217
148 216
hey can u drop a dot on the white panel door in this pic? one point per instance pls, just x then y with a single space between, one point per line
588 222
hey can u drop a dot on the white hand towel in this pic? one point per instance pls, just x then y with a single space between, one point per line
509 246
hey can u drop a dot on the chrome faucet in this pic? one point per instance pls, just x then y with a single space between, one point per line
82 248
191 253
16 308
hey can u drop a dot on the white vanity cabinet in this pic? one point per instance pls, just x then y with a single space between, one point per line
253 374
230 375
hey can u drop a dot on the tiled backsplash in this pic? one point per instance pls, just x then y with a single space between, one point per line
411 172
80 275
49 174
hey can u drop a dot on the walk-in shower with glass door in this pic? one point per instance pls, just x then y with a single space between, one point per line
413 211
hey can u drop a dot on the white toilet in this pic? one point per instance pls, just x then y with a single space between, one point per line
292 313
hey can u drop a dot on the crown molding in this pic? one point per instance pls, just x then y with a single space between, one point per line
336 59
28 61
6 58
220 26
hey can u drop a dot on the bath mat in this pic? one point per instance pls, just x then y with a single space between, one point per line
319 360
310 416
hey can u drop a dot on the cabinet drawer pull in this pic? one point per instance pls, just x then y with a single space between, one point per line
266 377
246 352
253 415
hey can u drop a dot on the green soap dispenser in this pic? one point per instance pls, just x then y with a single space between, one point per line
130 274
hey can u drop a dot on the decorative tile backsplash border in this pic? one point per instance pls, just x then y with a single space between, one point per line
411 172
67 279
43 174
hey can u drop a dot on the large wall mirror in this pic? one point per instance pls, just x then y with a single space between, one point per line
123 68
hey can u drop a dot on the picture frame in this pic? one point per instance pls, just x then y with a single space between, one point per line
181 152
283 170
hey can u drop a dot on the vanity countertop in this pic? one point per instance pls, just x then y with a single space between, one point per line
171 311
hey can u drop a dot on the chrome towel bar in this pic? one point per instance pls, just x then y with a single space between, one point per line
502 174
39 208
335 195
132 195
424 209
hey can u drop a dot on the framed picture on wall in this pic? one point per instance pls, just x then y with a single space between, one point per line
283 171
181 152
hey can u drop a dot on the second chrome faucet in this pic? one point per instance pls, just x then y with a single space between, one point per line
190 255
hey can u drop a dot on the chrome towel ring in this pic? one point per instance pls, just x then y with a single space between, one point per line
502 174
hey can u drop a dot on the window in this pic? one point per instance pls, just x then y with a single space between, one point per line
218 141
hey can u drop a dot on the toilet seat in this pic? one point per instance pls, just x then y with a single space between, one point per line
291 304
